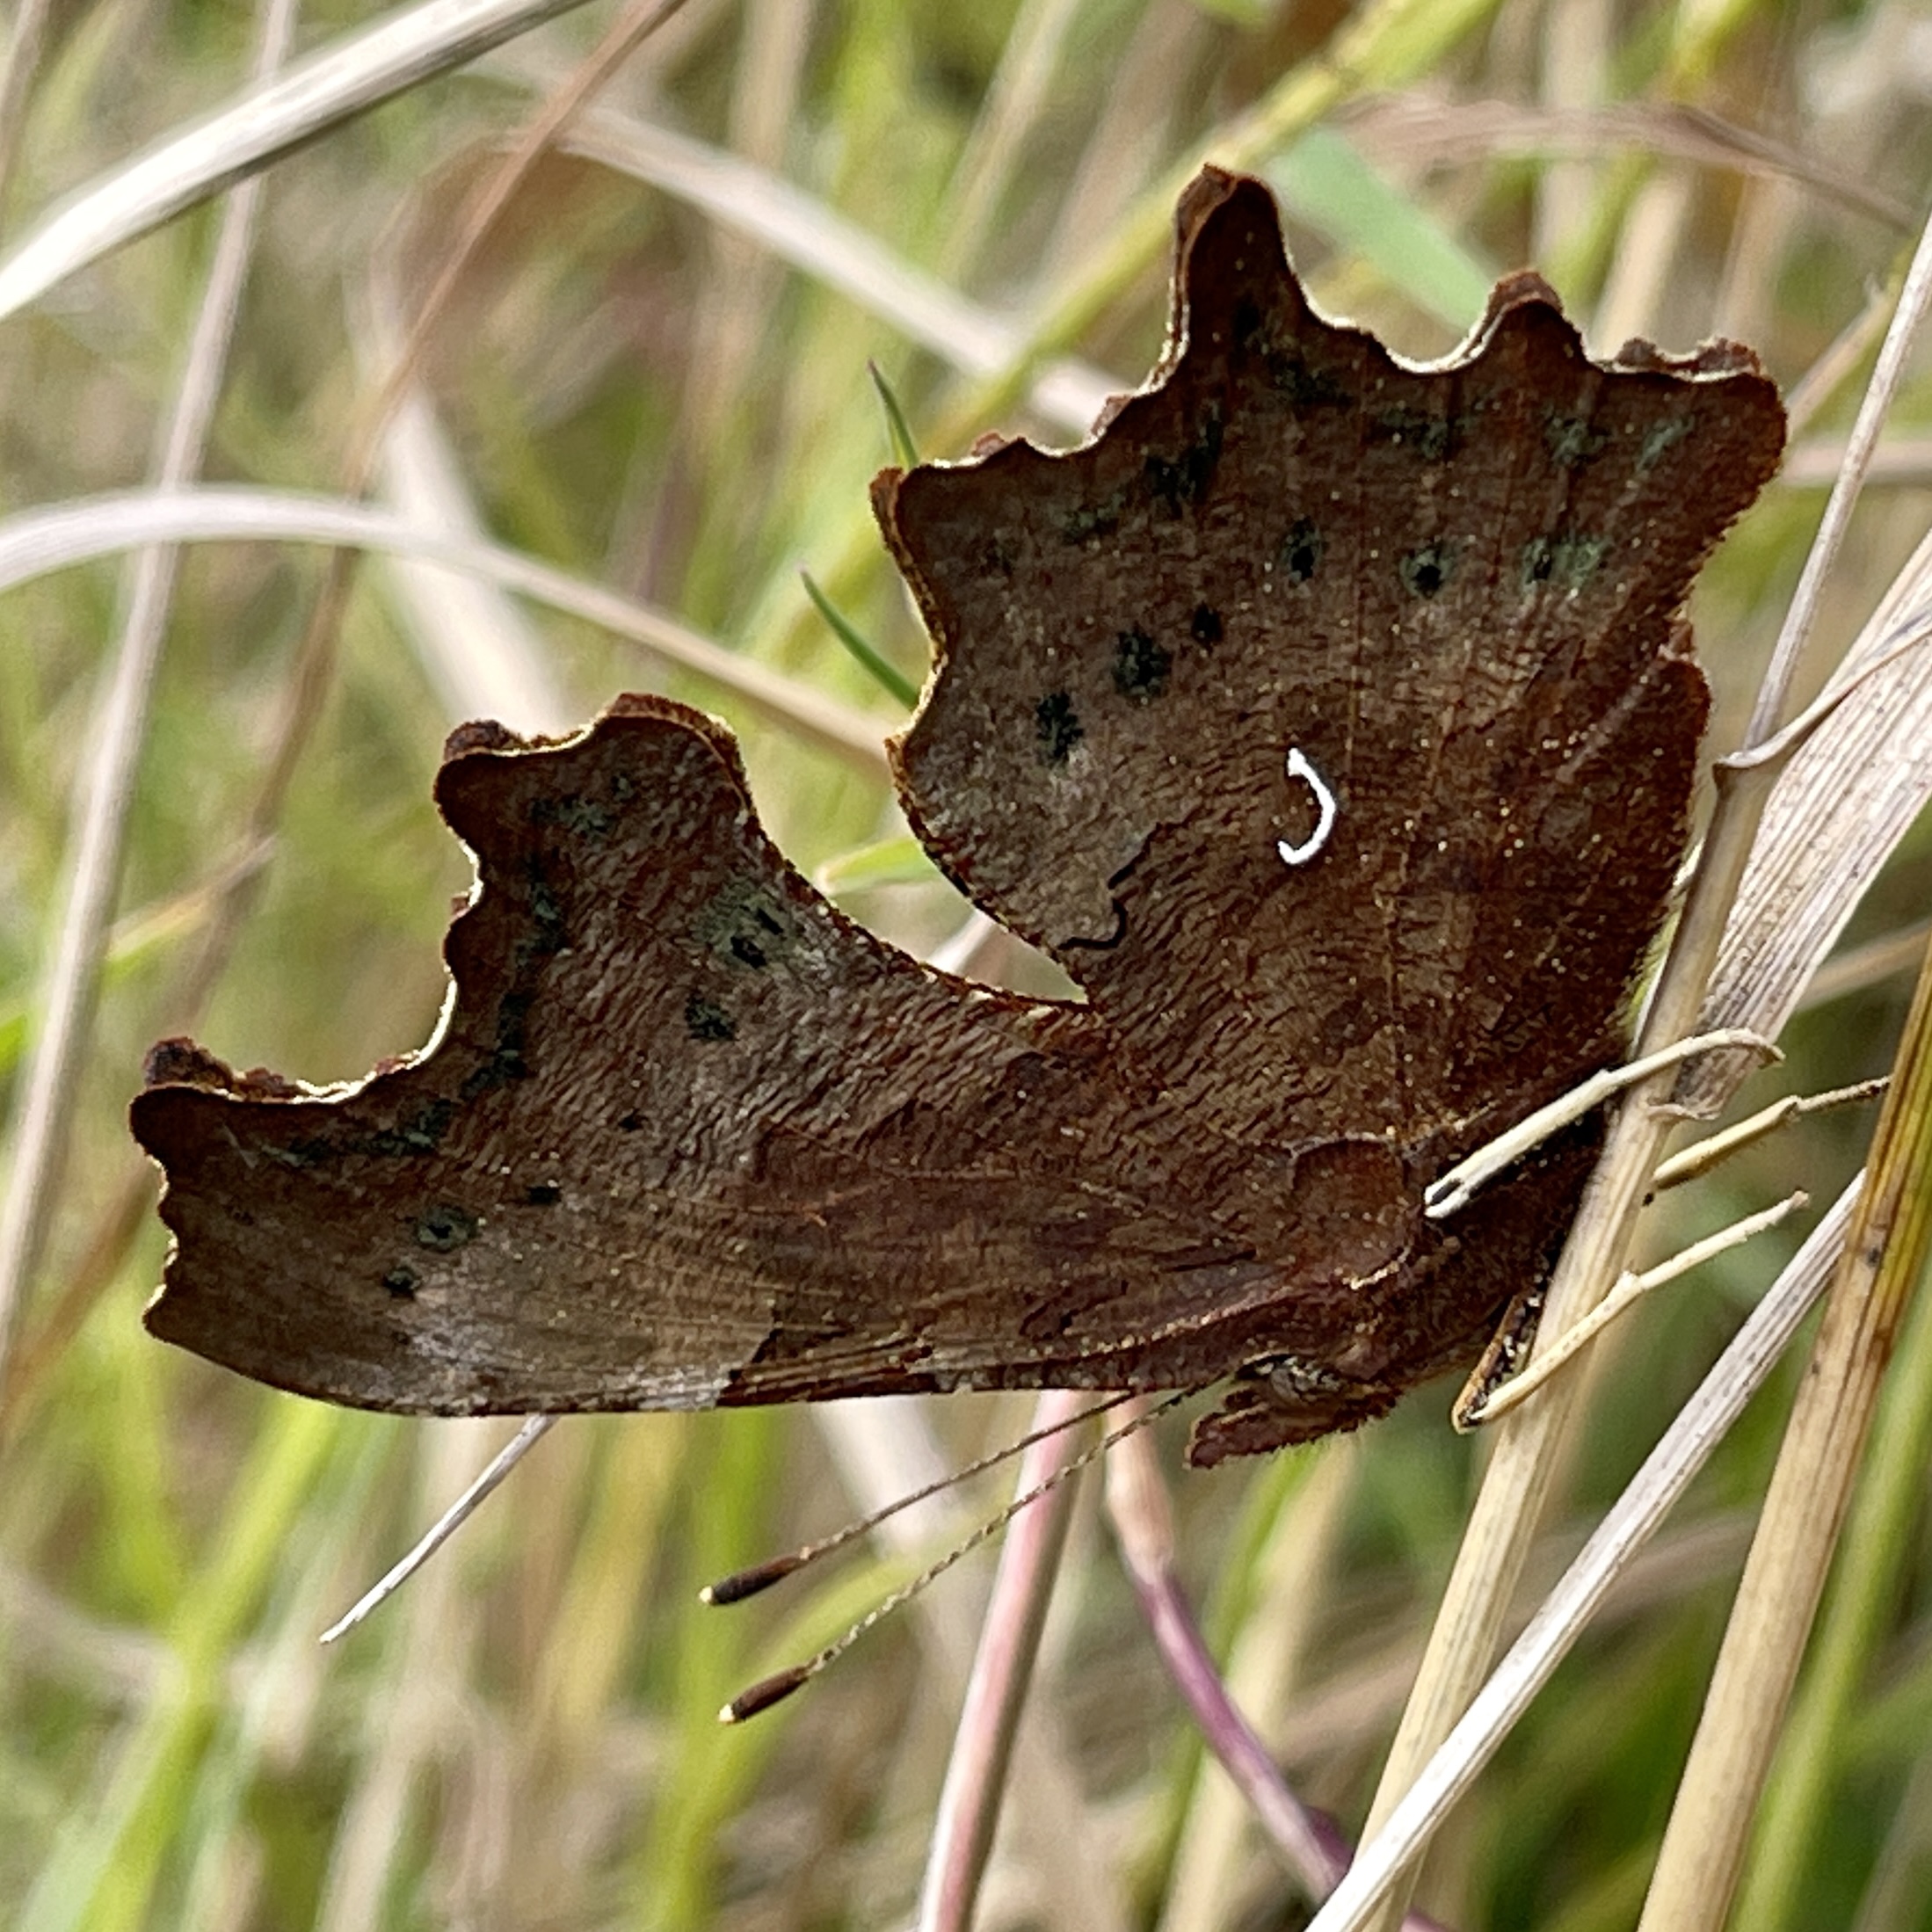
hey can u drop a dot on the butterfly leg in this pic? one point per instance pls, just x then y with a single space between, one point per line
1501 1380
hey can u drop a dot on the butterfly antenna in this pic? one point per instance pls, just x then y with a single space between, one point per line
775 1688
761 1576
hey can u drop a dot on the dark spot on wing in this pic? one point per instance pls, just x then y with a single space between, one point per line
704 1021
1178 482
1140 666
1572 439
1564 560
995 557
1425 570
1300 554
1090 520
573 812
1056 727
506 1061
1435 439
446 1227
1305 387
547 934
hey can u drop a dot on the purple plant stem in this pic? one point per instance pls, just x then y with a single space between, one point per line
1136 1502
976 1777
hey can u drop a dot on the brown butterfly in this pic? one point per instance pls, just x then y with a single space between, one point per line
1331 721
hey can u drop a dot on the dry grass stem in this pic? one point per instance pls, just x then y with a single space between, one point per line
36 542
800 229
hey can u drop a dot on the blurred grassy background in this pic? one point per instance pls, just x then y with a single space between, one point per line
630 387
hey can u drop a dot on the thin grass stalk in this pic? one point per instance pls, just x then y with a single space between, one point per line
1019 97
1573 80
1700 36
483 654
995 1691
1914 296
1130 135
115 737
1879 1552
1532 1444
675 1868
267 121
275 1707
1420 131
483 210
406 1715
38 542
314 668
1648 246
732 306
799 228
1884 1259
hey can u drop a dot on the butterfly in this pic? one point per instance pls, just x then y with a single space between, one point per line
1332 721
